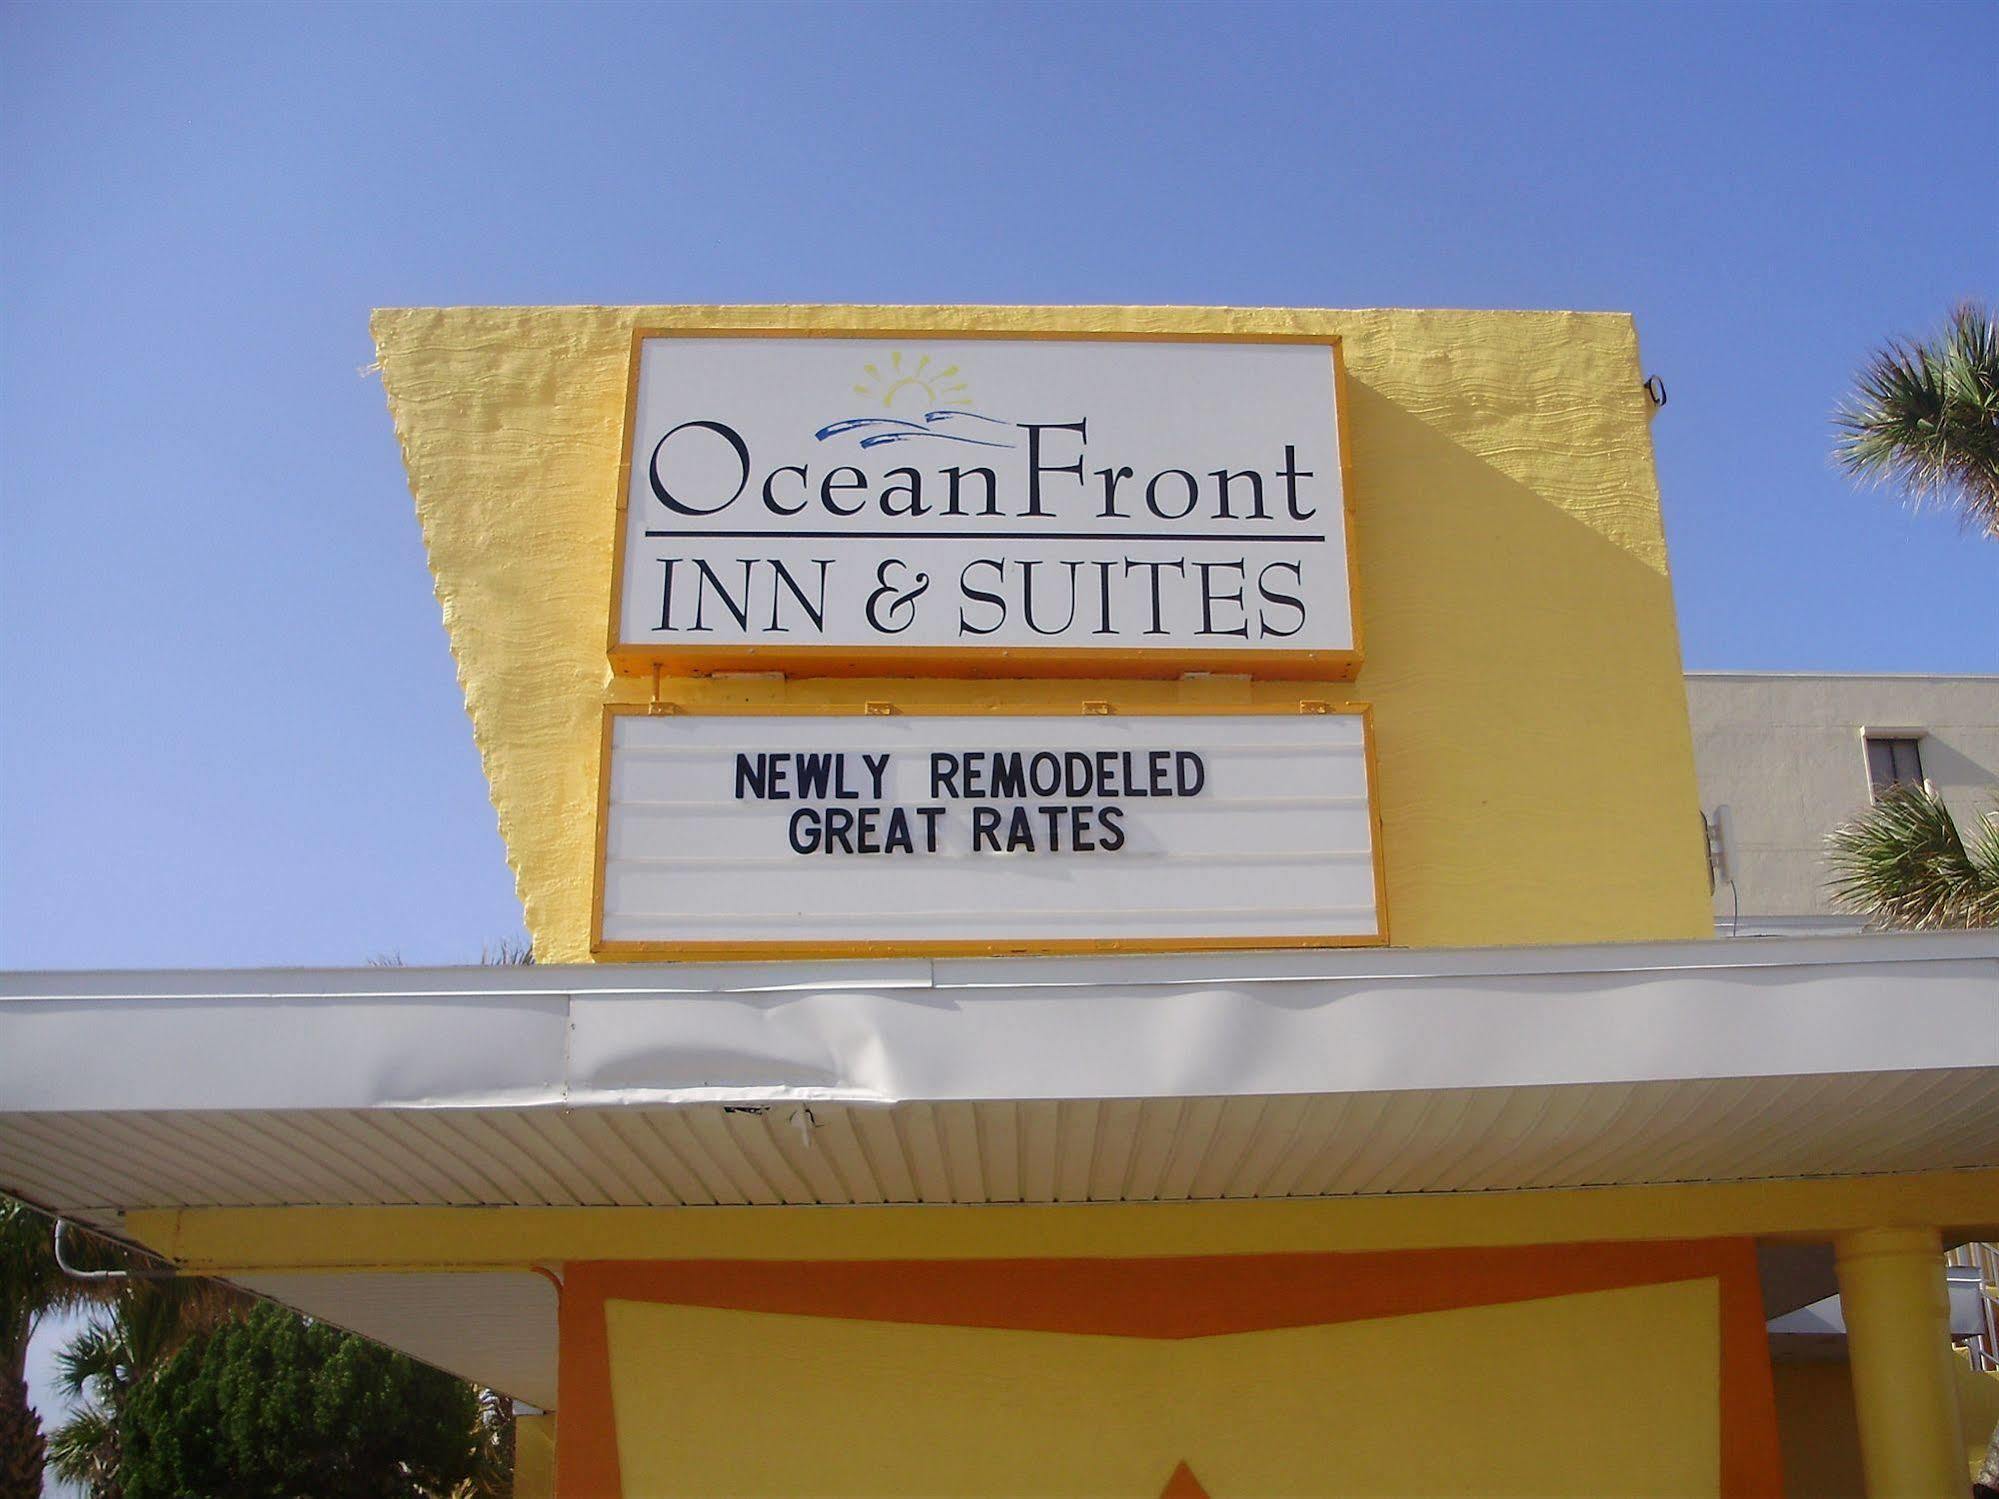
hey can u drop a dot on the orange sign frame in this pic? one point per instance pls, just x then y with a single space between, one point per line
972 661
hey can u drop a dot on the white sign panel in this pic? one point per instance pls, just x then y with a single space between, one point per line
1152 506
932 833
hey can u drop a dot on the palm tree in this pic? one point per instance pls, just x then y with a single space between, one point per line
32 1286
1925 417
1905 863
493 1459
144 1324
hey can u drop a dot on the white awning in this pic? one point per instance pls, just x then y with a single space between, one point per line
1002 1080
1113 1079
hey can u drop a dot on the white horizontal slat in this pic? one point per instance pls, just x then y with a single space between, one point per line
838 1138
1193 1132
1118 1123
1075 1148
752 1134
796 1132
681 1142
1159 1130
588 1133
1279 1126
679 1182
915 1128
1320 1123
1000 1148
958 1129
719 1145
1076 1151
483 1174
1235 1124
875 1130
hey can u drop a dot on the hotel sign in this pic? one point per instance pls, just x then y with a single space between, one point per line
731 834
983 506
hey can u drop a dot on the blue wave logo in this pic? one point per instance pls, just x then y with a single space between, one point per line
941 395
878 431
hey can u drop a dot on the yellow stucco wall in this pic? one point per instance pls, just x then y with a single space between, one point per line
1536 1397
1537 780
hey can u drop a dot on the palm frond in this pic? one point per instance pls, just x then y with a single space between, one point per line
1924 417
1904 863
84 1449
92 1362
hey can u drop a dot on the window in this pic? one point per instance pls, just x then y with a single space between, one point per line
1891 762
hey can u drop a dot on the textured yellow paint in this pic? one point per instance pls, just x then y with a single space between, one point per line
534 1457
242 1239
1537 779
1535 1398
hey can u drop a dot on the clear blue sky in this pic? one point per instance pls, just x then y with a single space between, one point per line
230 728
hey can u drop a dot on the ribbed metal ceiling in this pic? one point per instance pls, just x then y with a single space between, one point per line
1126 1150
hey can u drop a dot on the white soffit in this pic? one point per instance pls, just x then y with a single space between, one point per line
496 1328
1002 1080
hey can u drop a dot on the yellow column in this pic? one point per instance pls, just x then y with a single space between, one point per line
534 1457
1891 1285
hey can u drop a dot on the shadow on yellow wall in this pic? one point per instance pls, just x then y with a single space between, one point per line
1821 1442
1534 644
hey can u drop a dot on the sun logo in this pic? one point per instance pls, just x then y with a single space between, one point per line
912 401
914 387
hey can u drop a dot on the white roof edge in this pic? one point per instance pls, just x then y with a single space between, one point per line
1391 964
1018 1029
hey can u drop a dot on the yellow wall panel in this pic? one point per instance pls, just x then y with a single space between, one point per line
534 1457
1537 778
1539 1397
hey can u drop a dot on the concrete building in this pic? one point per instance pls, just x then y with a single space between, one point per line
1783 758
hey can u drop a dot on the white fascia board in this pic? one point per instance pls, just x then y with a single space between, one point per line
1224 1038
655 979
280 1051
1189 1026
